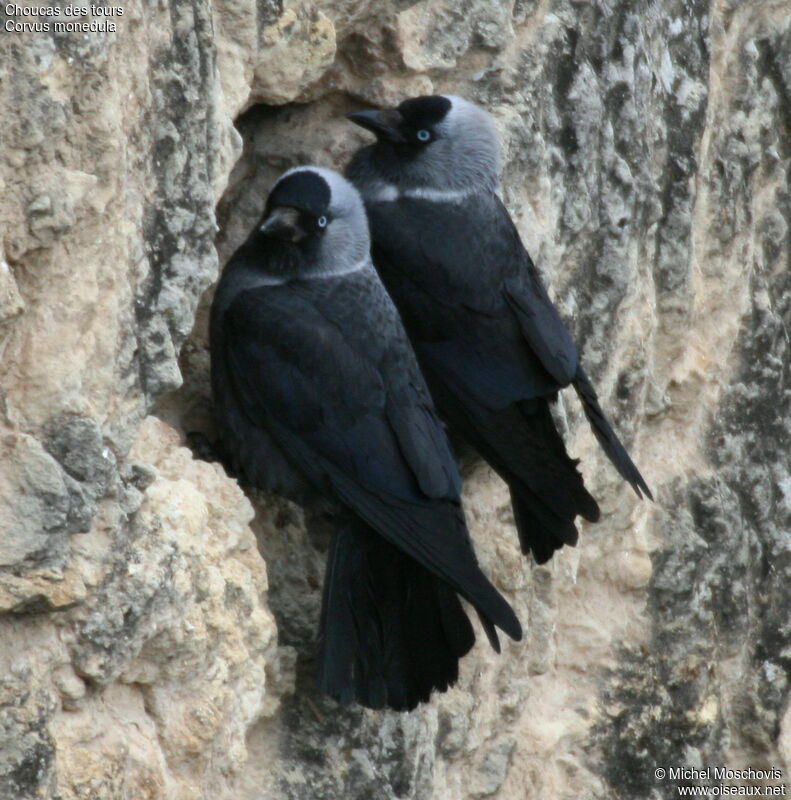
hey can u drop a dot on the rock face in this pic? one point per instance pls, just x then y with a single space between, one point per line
157 625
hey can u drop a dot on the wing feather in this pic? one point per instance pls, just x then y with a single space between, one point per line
348 426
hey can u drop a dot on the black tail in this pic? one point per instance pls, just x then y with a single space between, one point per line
541 531
544 517
607 437
391 632
523 445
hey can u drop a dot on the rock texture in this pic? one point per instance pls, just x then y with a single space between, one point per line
157 625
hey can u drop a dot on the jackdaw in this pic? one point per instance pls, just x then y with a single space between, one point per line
490 342
318 395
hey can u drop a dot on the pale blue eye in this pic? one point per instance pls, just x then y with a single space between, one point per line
322 222
423 135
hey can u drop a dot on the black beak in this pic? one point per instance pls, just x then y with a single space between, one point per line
385 124
283 223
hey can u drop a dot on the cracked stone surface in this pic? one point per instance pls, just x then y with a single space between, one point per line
157 624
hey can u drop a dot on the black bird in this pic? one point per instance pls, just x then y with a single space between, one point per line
318 395
490 342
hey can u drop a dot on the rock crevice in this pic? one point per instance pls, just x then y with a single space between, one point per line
158 625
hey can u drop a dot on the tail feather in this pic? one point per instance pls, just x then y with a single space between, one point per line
524 447
541 532
424 532
550 455
547 491
607 437
391 632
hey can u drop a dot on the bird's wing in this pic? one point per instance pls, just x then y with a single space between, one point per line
292 364
337 410
479 315
474 287
544 330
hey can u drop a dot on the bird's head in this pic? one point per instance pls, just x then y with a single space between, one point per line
437 141
318 212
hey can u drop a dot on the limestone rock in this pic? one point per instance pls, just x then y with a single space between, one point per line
11 303
158 626
297 49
